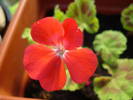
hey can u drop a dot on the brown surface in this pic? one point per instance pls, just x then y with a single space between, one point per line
111 6
12 47
15 98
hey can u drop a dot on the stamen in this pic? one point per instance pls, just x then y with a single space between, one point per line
60 51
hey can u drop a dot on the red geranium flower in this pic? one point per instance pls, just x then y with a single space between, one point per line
58 44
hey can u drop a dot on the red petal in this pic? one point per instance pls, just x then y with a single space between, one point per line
42 64
36 60
47 31
56 78
81 64
73 37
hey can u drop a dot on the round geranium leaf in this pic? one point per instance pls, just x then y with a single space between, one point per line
119 86
127 18
84 12
109 45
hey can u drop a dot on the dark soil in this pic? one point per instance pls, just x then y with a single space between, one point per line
35 91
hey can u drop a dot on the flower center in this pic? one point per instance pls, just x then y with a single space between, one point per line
60 51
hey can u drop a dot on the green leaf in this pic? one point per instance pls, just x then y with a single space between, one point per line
92 26
127 18
73 11
59 14
109 69
26 35
109 45
84 12
119 86
71 85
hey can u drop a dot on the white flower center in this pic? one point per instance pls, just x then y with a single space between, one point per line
60 51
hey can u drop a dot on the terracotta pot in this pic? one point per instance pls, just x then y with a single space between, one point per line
15 98
12 76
